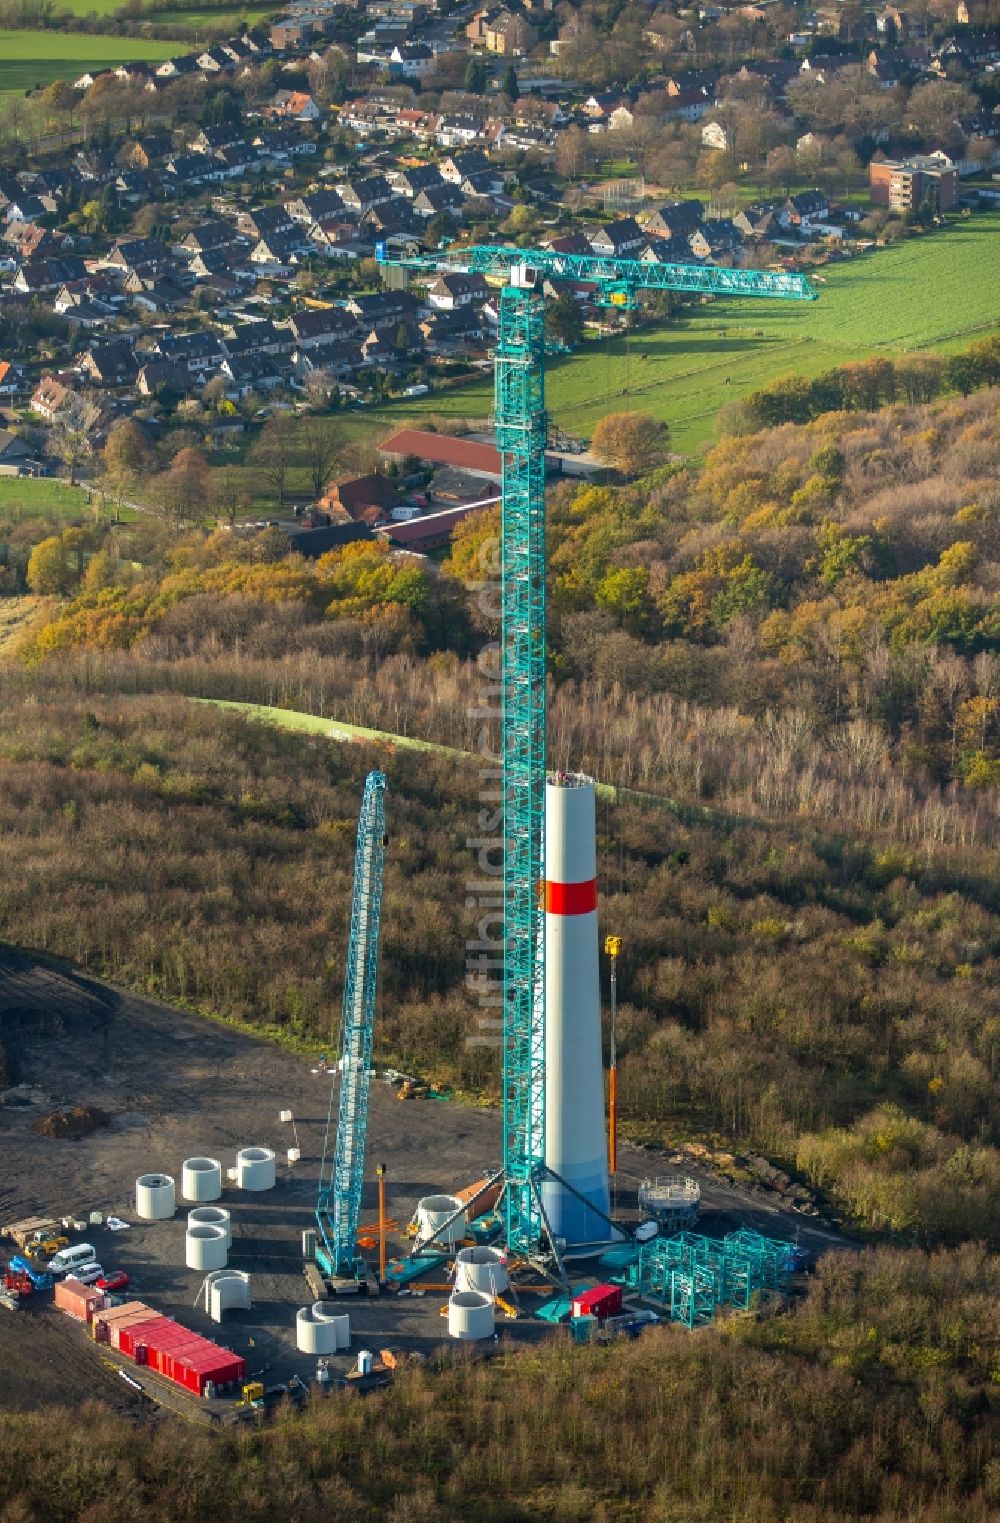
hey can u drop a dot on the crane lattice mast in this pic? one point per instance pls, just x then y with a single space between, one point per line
521 434
342 1169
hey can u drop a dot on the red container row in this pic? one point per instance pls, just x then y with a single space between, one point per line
163 1345
598 1301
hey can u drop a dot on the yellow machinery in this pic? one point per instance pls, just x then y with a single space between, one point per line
252 1394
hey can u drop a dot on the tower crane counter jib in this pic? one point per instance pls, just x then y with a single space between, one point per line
519 409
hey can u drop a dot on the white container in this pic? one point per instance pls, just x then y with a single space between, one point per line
312 1336
471 1315
309 1244
365 1361
255 1169
205 1248
432 1213
232 1174
155 1199
481 1269
294 1154
212 1216
284 1115
201 1179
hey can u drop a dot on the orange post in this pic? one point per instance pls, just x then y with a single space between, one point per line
380 1171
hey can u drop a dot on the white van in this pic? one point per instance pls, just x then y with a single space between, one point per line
71 1258
86 1273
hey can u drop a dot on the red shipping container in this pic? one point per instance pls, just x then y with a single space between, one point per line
79 1301
598 1301
111 1314
124 1331
211 1363
161 1330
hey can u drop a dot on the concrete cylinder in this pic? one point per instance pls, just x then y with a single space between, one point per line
212 1216
227 1289
312 1336
481 1269
201 1179
205 1248
470 1315
323 1312
155 1198
255 1169
575 1139
432 1212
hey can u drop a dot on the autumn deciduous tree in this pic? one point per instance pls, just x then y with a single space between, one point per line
632 442
48 568
182 490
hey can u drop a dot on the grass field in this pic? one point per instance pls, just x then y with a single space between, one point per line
28 59
937 291
22 497
207 15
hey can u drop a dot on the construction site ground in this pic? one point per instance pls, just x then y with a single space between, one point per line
177 1086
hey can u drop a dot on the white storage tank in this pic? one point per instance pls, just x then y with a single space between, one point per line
471 1315
212 1216
365 1361
314 1335
155 1198
255 1169
201 1179
205 1248
481 1269
432 1213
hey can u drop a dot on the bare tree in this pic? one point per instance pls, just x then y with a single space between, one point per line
320 443
274 454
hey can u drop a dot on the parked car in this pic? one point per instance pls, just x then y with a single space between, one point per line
115 1279
87 1274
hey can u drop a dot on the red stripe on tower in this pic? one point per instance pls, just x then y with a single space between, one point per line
570 898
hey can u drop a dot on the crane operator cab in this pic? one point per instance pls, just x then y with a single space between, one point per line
525 277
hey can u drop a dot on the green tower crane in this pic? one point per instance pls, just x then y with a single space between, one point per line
520 419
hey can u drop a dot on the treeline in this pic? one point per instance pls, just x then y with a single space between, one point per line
867 385
873 1399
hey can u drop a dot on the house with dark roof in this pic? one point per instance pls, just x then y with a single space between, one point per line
109 365
618 239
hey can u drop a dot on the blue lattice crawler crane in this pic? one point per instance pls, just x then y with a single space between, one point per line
522 275
342 1170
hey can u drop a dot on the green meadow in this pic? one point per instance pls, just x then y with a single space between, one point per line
938 291
28 59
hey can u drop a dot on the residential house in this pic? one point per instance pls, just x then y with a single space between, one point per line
199 352
799 212
438 199
12 380
316 326
39 275
293 105
362 195
146 254
109 365
715 238
14 454
759 220
617 239
266 222
675 218
458 166
448 292
277 254
510 36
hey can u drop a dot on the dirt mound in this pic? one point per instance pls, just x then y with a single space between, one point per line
79 1122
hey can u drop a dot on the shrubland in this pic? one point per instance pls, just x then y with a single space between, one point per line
874 1398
